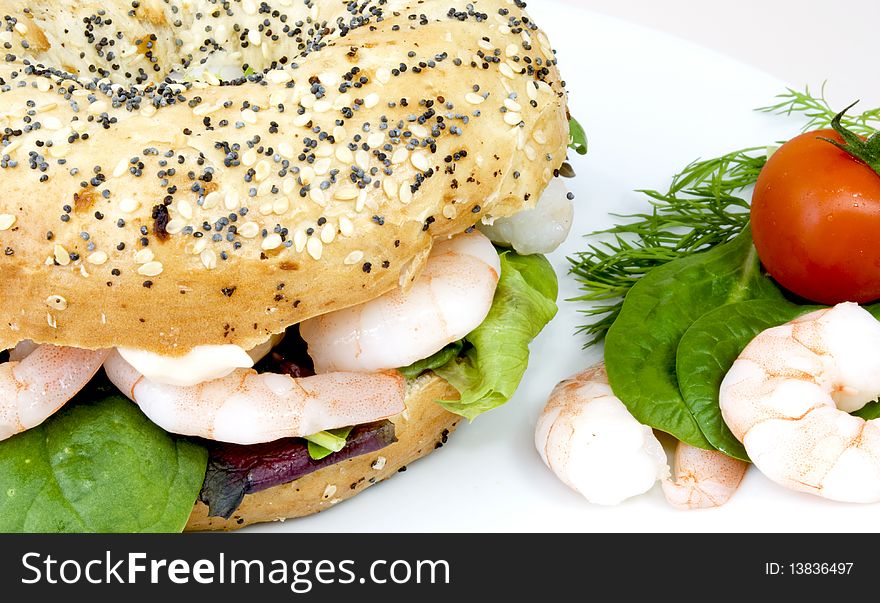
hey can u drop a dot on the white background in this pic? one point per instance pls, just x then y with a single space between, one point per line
798 41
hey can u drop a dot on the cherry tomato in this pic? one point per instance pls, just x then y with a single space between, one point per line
816 221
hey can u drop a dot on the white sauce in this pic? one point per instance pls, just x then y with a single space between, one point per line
203 363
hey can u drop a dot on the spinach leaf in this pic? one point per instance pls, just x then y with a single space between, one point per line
869 411
641 346
98 465
436 360
707 351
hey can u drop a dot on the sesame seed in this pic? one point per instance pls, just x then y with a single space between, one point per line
278 76
344 155
383 75
144 256
390 187
346 193
286 150
399 156
150 269
406 193
346 227
231 200
262 171
129 205
420 161
62 257
51 123
306 175
371 100
315 248
6 221
299 240
273 241
97 258
174 226
328 234
375 140
209 258
185 209
512 118
280 206
121 168
353 258
317 195
211 200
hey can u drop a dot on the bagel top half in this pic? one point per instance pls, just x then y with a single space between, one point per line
158 215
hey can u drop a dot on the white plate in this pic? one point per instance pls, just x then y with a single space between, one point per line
650 104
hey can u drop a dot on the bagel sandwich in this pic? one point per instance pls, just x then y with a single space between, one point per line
188 183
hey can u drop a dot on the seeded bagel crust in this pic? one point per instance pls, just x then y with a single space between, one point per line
422 428
164 216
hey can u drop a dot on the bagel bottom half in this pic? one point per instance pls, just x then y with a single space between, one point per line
420 429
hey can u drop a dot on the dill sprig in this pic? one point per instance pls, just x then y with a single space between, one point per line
701 209
819 113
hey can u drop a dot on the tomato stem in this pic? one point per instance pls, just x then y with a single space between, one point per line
865 150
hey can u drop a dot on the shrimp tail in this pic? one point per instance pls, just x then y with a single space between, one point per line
40 380
703 478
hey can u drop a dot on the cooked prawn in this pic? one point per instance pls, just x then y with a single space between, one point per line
787 399
246 407
703 478
40 379
590 440
541 229
449 299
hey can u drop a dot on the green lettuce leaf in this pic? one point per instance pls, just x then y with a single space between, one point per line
497 352
98 465
325 443
577 137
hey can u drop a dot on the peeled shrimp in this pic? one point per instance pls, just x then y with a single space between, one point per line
787 399
40 379
538 230
703 478
246 407
450 299
594 445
